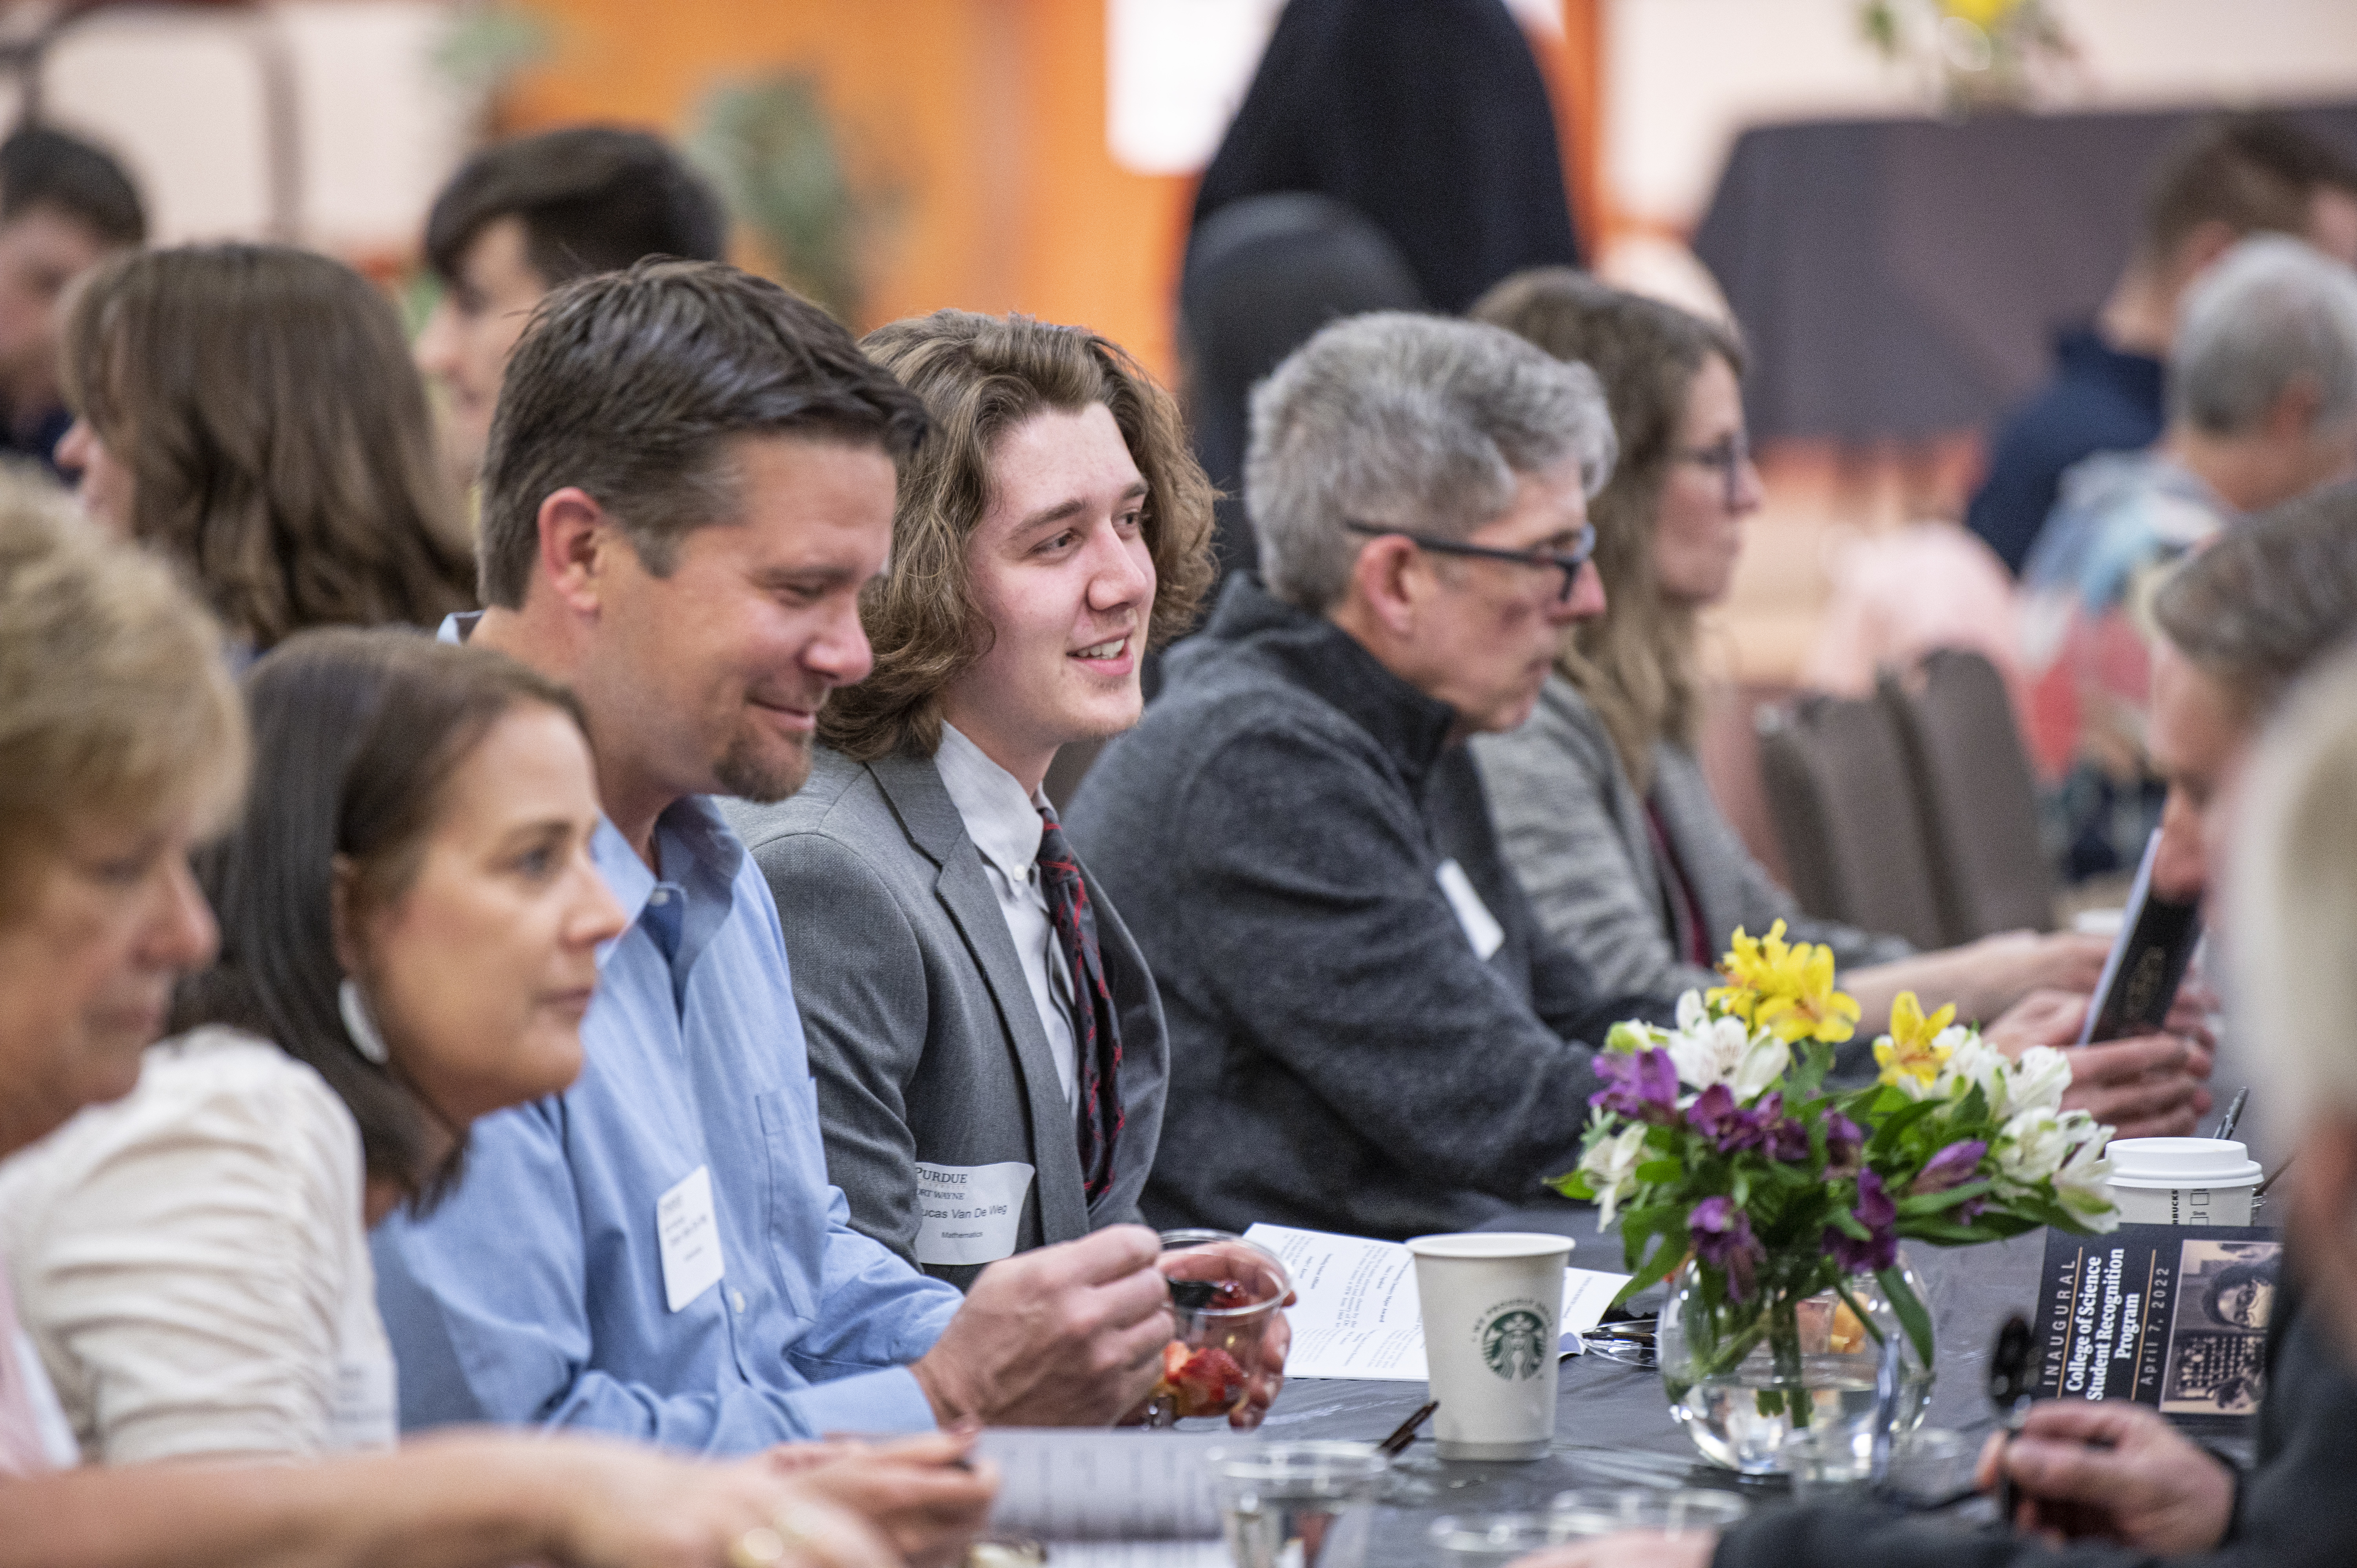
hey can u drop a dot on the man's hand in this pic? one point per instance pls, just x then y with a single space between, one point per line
1067 1335
2153 1086
916 1491
2115 1472
1630 1549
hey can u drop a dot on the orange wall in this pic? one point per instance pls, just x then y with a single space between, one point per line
987 116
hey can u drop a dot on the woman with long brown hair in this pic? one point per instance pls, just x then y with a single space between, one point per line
1599 798
251 412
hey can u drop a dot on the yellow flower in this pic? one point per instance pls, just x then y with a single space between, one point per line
1800 1003
1751 962
1982 14
1912 1048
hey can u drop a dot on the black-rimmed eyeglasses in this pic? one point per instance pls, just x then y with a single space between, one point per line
1731 457
1568 562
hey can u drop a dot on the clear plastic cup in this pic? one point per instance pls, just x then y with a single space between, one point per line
1494 1539
1298 1505
1215 1350
1588 1511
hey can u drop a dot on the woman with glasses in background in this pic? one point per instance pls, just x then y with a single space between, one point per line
1601 800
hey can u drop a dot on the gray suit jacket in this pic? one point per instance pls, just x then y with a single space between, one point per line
923 1037
1573 827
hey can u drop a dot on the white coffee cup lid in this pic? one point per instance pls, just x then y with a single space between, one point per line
2180 1162
1489 1244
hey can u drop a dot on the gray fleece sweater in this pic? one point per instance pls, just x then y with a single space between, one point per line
1341 1055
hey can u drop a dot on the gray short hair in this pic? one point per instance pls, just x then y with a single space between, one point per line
2272 310
1414 422
2268 600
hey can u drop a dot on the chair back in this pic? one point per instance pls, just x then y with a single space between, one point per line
1843 799
1979 799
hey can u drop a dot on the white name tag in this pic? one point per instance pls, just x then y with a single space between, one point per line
1481 927
690 1233
969 1214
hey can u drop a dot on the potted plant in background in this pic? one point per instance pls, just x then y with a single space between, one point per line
1775 1206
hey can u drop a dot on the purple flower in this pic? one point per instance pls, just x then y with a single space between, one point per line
1716 1116
1721 1234
1879 1212
1844 1139
1952 1166
1782 1137
1640 1084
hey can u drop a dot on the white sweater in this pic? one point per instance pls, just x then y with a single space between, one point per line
192 1263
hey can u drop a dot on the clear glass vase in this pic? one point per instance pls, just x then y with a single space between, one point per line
1743 1377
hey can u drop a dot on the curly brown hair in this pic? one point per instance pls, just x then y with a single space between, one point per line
1634 663
980 376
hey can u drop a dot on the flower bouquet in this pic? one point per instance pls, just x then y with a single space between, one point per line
1779 1203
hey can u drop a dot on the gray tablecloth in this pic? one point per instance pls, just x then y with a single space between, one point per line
1610 1413
1905 277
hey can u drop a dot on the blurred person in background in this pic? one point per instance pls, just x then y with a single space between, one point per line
2240 176
1261 275
1600 801
122 744
1369 1033
2269 606
1050 527
2263 408
65 206
250 413
1429 116
523 215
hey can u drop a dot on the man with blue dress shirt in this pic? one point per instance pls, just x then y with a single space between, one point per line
689 478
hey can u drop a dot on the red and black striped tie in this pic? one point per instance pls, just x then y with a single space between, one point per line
1096 1027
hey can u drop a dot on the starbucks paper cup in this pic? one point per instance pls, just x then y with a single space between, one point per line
1492 1302
2182 1181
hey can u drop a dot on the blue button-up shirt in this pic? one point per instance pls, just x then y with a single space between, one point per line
535 1292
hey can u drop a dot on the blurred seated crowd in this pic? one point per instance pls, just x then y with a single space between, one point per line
527 862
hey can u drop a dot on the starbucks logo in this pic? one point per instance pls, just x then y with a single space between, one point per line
1515 1345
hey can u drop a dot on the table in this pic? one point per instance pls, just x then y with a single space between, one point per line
1608 1408
1903 278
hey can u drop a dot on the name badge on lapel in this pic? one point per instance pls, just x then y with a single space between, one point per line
1481 927
689 1231
969 1214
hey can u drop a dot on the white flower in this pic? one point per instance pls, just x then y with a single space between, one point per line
2083 1183
1710 1050
2034 1145
1610 1166
2035 1082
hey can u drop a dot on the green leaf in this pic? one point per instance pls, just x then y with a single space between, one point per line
1935 1202
1886 1137
1850 1225
1573 1183
1661 1170
1659 1267
1911 1316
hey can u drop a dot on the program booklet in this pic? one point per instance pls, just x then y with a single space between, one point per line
2174 1316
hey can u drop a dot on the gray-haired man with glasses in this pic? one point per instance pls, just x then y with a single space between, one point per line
1368 1031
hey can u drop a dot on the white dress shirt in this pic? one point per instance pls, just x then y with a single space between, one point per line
1005 825
192 1264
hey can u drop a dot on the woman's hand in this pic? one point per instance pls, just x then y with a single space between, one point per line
1630 1549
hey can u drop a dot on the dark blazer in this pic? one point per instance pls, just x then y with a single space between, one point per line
924 1039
